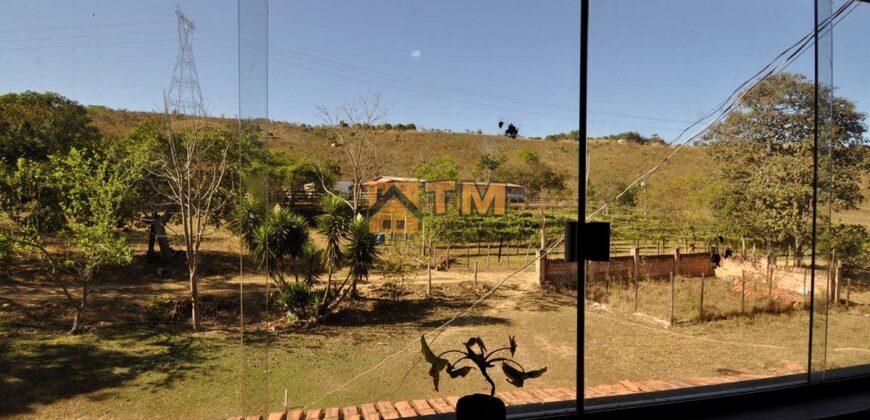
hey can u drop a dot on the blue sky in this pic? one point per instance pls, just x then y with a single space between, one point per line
449 64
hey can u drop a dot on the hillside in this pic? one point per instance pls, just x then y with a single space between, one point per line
402 150
609 160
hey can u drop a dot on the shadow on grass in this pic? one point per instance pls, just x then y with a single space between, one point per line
424 312
36 372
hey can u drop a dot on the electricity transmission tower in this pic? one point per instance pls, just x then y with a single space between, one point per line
185 97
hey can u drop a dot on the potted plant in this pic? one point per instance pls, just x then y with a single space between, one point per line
479 406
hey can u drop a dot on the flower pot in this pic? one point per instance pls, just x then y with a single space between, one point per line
480 406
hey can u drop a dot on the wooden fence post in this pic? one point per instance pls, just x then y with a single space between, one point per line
848 291
837 268
677 261
475 273
701 308
634 253
468 257
806 298
429 273
742 291
672 298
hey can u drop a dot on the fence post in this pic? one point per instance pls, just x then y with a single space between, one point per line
848 291
672 298
837 268
701 309
742 291
805 287
429 284
769 279
677 261
475 273
634 253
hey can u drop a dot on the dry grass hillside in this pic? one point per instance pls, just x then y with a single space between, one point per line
610 161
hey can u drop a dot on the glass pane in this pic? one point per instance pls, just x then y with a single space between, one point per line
251 204
824 256
701 158
843 237
429 121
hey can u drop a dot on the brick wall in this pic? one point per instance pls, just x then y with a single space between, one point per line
517 402
561 274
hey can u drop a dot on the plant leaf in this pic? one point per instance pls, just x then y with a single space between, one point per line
455 373
536 373
476 340
438 364
516 377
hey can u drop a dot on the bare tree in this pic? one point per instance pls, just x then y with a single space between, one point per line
194 169
353 124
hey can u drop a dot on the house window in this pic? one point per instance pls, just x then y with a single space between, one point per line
400 224
386 224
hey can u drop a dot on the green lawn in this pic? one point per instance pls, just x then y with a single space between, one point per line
146 371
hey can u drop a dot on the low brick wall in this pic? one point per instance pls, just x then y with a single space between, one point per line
517 401
560 274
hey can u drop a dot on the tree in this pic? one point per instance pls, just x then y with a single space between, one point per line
443 168
849 243
91 190
28 196
361 156
194 168
765 150
35 125
488 164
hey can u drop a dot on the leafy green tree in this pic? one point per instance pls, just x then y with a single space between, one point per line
35 125
443 168
28 196
90 191
488 165
849 244
765 150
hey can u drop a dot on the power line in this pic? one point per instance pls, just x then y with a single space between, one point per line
434 95
53 28
103 44
82 36
729 103
326 62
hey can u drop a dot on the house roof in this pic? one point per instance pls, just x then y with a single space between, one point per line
382 179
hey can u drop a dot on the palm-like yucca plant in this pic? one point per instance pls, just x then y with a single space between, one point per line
283 235
362 252
246 217
333 225
311 264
